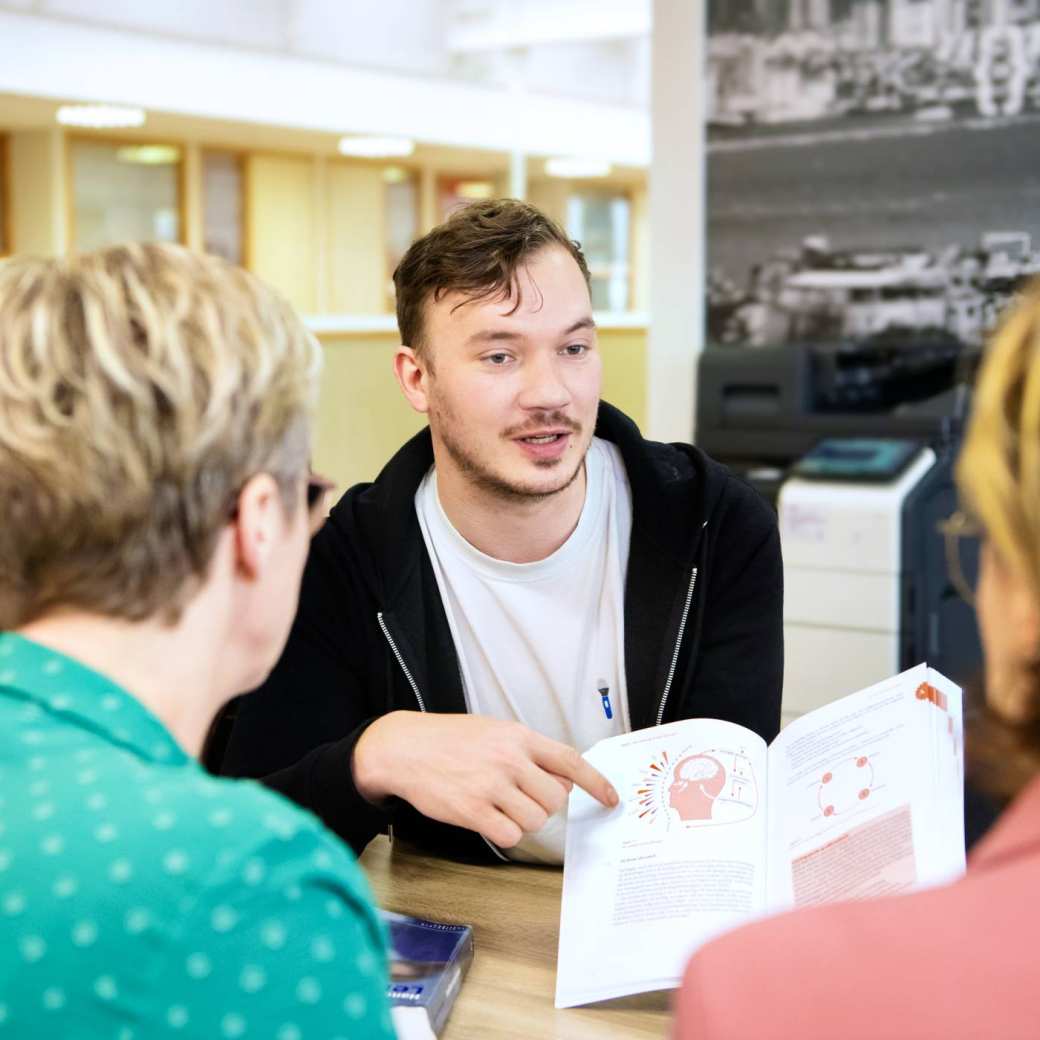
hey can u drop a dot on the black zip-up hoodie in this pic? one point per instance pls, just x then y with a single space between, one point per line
703 629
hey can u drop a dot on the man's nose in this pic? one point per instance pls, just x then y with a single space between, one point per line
544 388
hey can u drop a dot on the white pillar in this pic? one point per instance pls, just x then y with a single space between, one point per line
677 217
518 98
517 175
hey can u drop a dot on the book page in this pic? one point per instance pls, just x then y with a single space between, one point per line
939 712
678 860
865 793
411 1023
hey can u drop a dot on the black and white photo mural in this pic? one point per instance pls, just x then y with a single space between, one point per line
873 168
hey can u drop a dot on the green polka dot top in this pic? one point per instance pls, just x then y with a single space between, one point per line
141 897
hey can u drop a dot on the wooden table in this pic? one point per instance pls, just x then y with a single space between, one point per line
515 913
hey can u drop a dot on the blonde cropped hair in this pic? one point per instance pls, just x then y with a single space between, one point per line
140 387
998 472
998 477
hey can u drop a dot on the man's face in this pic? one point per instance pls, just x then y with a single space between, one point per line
512 397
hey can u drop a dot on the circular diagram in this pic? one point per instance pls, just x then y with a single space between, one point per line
845 785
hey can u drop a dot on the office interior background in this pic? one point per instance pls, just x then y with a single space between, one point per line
744 175
313 141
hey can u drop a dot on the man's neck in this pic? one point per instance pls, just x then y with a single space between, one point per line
510 528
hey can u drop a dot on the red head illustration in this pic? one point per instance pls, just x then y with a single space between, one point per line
696 783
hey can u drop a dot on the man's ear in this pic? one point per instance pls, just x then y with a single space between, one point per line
412 375
259 521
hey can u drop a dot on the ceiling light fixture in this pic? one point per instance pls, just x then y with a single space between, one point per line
149 154
576 168
376 147
99 117
475 190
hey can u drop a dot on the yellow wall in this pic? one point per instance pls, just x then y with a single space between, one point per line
315 230
363 418
640 250
280 225
550 196
37 192
624 370
356 268
314 226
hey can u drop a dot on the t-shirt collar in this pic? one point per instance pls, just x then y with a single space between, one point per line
586 530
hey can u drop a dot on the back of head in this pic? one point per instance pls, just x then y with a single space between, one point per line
998 476
140 387
476 252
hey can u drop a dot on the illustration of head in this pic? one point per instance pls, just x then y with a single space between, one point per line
696 782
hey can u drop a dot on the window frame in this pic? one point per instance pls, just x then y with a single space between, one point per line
579 186
415 176
241 157
116 141
6 207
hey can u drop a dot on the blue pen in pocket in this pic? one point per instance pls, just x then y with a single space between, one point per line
604 694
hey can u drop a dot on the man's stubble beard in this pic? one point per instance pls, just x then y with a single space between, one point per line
484 478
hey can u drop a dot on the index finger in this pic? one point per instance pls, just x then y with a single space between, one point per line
565 762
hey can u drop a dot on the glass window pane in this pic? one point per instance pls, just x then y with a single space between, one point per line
222 205
601 222
400 222
125 193
402 214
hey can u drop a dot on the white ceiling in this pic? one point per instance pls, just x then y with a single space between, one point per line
545 77
591 49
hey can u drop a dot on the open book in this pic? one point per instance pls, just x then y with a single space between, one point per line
863 797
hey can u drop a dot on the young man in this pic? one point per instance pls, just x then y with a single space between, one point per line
524 578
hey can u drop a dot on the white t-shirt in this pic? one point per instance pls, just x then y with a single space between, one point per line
538 642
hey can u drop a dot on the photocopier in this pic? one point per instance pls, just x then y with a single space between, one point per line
854 444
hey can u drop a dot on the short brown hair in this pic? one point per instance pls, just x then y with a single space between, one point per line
998 476
476 251
140 387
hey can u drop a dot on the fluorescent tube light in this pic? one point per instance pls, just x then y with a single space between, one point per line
576 168
100 117
376 147
149 154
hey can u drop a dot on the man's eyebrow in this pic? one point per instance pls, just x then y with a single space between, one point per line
582 323
493 335
507 336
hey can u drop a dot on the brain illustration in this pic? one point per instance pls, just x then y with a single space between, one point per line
697 767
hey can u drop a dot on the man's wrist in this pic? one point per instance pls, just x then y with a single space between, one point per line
370 763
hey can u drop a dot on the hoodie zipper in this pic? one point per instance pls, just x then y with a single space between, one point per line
422 707
400 661
678 643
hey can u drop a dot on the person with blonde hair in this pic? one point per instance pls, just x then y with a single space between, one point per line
955 961
155 512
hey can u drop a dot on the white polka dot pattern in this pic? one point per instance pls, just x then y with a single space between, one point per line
134 888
